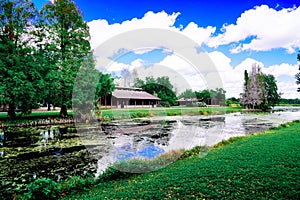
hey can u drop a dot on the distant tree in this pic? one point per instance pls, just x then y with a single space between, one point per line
21 76
297 76
220 95
138 83
204 95
290 101
260 90
187 94
69 35
89 87
85 87
232 100
253 91
160 87
105 85
271 96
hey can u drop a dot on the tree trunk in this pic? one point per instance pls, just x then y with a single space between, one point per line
63 111
11 111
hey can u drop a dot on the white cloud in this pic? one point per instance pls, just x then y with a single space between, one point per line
101 30
269 28
198 34
282 69
289 89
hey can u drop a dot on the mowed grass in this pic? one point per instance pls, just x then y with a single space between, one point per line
140 112
262 166
172 111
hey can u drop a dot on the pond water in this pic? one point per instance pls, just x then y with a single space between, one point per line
63 151
158 135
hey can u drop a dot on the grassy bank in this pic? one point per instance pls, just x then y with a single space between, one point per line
110 114
262 166
172 111
292 105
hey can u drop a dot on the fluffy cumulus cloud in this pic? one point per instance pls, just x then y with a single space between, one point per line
265 28
101 30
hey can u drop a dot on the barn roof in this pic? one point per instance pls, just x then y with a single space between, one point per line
132 93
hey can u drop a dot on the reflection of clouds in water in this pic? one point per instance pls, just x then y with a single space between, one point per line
186 132
143 151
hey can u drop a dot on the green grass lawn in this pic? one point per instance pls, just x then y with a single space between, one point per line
141 112
263 166
172 111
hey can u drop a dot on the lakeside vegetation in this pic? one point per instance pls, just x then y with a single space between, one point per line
111 114
233 169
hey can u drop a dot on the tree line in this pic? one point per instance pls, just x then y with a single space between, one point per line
162 88
41 53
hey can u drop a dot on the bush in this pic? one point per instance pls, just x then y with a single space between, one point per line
76 183
164 104
42 188
201 104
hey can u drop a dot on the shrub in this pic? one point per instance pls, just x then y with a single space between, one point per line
76 183
198 150
201 104
42 188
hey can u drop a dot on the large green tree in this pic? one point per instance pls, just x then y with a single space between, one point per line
89 87
105 86
20 74
204 95
271 95
68 33
160 87
187 94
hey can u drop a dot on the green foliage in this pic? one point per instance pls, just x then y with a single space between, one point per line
271 96
210 96
69 36
105 85
42 188
160 87
42 67
140 114
198 150
21 76
289 101
187 94
76 184
85 87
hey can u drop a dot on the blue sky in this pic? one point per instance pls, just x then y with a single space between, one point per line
252 32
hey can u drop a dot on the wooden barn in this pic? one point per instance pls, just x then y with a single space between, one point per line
124 97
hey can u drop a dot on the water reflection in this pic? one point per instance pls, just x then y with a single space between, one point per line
183 132
49 134
143 151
